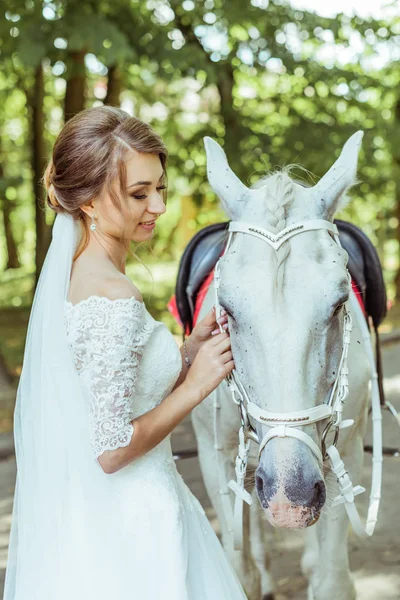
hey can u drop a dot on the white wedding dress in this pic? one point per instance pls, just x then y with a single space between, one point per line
128 363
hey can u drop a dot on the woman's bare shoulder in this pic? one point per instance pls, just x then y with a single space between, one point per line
109 285
120 287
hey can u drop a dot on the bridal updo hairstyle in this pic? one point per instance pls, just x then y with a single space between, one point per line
89 156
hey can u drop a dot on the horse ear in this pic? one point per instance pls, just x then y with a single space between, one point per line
332 187
233 194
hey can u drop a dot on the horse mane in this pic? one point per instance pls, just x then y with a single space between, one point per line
279 196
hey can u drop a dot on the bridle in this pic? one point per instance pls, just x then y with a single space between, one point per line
287 424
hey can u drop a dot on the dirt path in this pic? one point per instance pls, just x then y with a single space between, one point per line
375 564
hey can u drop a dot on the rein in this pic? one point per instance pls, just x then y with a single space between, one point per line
287 424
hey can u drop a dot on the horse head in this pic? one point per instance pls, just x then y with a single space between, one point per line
286 310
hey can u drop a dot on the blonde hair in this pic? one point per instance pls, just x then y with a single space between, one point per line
88 156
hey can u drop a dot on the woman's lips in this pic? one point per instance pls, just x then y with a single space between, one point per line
148 225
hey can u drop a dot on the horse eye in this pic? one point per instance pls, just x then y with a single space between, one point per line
338 309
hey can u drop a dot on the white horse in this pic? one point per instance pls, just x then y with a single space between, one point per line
285 312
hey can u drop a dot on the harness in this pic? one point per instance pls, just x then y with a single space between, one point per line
287 424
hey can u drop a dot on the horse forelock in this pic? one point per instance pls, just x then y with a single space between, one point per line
278 196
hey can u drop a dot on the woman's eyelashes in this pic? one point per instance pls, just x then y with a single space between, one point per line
143 196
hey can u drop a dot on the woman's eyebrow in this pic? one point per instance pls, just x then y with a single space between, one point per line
143 182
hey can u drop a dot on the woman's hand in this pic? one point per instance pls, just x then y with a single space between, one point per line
203 330
209 326
213 363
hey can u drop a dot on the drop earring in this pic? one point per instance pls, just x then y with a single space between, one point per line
93 225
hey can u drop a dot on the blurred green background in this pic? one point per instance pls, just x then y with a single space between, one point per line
273 83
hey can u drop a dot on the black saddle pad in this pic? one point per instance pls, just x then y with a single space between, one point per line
204 249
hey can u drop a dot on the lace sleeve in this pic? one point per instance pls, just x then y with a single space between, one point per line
111 335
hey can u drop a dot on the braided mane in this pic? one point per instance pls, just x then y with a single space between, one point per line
279 195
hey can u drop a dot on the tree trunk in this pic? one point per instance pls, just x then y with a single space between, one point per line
76 83
12 252
397 215
38 166
114 86
396 175
234 131
5 377
11 246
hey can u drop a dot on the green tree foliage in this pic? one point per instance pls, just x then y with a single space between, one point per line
274 84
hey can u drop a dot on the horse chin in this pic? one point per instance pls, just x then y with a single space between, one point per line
288 516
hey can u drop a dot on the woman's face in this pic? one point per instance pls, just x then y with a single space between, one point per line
143 204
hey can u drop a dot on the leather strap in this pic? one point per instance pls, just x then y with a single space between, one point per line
291 419
285 431
241 495
347 491
276 240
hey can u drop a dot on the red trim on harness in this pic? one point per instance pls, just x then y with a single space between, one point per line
204 289
173 309
358 296
201 295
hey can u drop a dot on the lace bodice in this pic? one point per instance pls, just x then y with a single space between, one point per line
128 362
138 532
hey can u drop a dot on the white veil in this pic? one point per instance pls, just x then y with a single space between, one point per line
63 527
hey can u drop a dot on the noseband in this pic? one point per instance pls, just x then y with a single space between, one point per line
288 424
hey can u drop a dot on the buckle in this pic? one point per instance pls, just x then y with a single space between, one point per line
323 437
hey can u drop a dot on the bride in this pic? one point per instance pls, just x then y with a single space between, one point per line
100 511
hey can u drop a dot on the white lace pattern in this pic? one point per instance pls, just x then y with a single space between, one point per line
107 339
128 363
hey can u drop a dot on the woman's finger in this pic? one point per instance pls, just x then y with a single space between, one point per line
216 331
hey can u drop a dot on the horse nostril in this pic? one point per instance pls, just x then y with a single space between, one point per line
259 486
263 492
319 494
266 487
